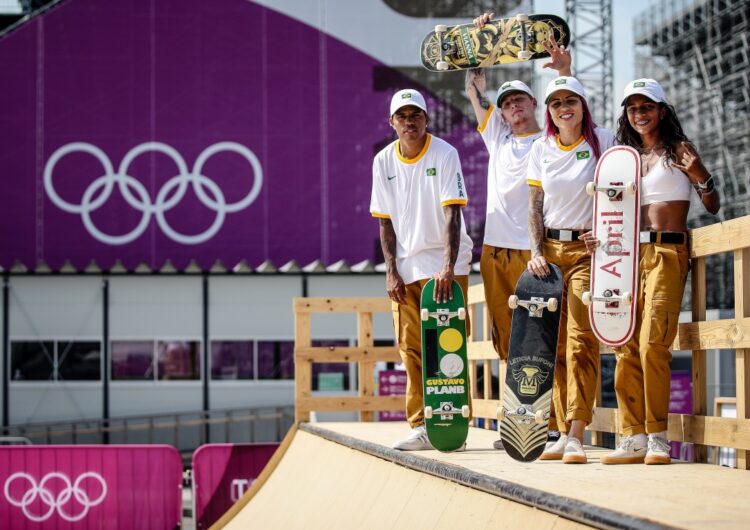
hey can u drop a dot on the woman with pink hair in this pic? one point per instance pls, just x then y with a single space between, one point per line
561 163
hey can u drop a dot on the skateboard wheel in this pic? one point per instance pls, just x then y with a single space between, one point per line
524 55
425 314
590 188
552 305
462 313
513 301
428 412
442 65
630 188
465 411
522 17
586 298
627 298
501 413
539 417
441 28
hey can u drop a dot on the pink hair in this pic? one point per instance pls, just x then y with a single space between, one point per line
587 128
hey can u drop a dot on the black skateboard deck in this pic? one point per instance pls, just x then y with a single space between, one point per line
525 410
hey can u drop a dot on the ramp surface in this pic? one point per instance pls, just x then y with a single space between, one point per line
344 475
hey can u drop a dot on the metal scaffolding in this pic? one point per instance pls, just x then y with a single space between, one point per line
698 50
591 41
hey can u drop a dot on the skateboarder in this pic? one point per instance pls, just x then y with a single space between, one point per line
508 129
670 167
418 191
560 212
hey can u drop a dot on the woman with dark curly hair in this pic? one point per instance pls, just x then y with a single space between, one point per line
670 167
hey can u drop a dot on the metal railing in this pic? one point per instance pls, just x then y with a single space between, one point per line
184 430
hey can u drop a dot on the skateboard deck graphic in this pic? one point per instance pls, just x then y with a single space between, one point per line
614 265
525 410
444 369
501 41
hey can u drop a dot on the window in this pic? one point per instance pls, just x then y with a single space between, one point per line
178 360
232 359
62 360
133 360
276 359
32 360
331 376
79 360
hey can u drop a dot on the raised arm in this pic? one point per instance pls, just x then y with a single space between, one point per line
476 86
394 284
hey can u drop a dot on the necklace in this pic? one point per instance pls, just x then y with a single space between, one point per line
647 155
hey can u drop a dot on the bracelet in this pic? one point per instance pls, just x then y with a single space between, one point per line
707 186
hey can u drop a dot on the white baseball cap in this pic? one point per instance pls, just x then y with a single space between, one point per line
405 97
564 83
645 87
512 86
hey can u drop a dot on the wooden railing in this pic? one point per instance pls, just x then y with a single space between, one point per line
697 336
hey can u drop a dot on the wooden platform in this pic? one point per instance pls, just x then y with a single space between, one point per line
344 475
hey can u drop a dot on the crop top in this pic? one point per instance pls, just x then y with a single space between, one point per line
664 183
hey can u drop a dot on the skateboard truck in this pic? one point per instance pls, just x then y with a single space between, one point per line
443 316
535 306
611 191
446 410
524 414
523 54
609 297
446 48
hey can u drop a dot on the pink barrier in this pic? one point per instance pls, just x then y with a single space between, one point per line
90 487
221 475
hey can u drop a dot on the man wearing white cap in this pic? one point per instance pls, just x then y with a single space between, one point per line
508 129
418 191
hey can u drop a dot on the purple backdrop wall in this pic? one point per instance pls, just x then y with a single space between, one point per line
203 88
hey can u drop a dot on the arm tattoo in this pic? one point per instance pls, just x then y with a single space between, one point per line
452 233
536 220
388 243
483 101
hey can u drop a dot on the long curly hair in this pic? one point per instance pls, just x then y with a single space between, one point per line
670 132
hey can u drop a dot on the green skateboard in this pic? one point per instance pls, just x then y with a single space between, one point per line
444 369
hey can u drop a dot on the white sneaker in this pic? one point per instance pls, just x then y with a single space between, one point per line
658 449
632 450
574 453
416 441
555 448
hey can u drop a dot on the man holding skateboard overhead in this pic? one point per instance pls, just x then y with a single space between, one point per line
418 191
508 129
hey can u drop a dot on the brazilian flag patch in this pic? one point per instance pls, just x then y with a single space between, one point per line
431 172
583 155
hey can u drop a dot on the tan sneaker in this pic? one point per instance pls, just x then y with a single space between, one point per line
658 449
632 450
554 449
574 453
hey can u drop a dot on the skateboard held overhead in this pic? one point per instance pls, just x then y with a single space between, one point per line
527 397
444 369
500 41
614 265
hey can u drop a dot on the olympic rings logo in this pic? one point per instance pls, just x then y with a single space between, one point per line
141 200
55 503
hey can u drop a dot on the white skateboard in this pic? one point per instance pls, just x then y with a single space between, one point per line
614 265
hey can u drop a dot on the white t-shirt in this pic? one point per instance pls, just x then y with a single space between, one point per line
563 172
412 194
507 221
